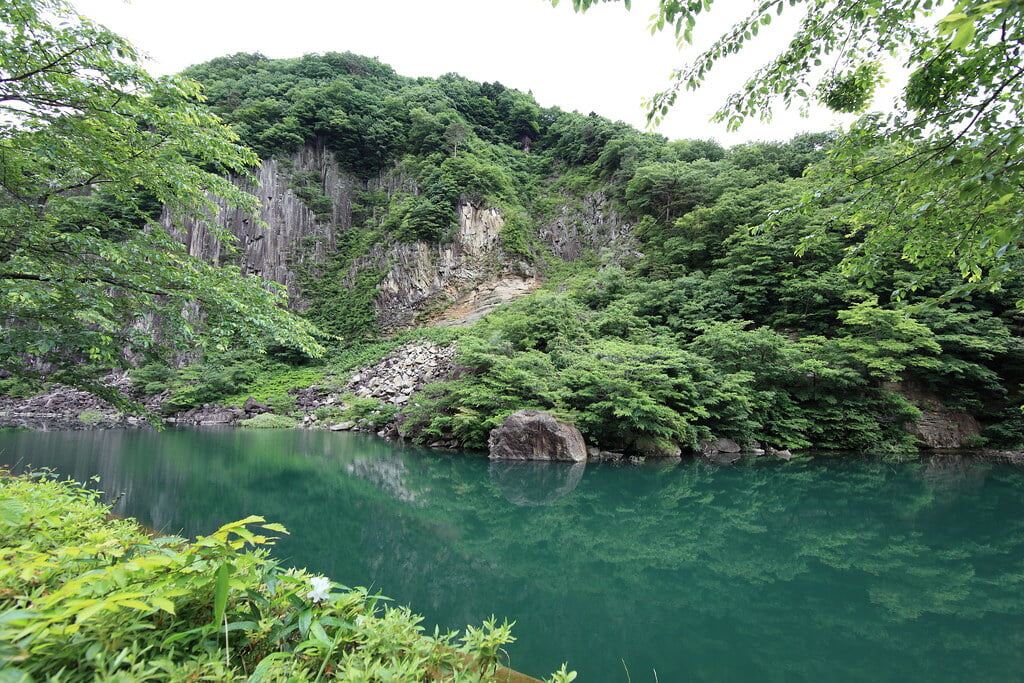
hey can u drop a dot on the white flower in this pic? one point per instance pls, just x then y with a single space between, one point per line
320 586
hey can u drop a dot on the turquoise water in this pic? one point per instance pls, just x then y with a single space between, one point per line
813 570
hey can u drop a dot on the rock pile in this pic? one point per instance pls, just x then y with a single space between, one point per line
403 372
67 408
216 414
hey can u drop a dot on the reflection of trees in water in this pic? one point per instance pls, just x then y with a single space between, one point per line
821 566
766 570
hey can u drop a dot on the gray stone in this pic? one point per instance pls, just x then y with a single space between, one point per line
536 435
342 426
251 405
727 446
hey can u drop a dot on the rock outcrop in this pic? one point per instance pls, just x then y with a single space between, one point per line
468 271
938 426
536 435
471 305
424 275
291 234
589 224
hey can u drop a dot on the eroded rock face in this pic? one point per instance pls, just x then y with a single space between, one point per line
468 271
470 306
940 427
536 435
590 224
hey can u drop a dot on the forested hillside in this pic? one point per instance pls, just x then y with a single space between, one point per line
712 309
712 326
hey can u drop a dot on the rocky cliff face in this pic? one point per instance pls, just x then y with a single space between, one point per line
292 232
589 224
469 273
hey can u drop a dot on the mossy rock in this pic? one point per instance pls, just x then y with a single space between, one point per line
655 447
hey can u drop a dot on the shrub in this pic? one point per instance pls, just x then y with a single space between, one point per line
269 421
19 387
85 597
90 417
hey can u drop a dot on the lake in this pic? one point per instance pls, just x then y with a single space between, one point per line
827 568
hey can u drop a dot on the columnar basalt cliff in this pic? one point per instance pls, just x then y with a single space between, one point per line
469 272
290 232
589 224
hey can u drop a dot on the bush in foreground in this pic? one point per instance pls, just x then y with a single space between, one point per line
85 597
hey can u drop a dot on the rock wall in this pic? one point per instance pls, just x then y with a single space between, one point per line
291 233
938 426
418 277
589 224
423 275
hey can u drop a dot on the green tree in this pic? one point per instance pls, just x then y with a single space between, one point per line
937 180
84 128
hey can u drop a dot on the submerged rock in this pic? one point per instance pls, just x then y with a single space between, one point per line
536 435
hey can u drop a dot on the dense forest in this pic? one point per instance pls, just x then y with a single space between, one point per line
730 315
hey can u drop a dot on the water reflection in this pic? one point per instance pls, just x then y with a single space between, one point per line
535 483
840 570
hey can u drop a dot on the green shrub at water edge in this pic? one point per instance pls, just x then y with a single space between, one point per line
90 416
270 421
85 597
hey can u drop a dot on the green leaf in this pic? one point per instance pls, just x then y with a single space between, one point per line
10 674
220 592
964 36
318 634
163 604
262 669
305 618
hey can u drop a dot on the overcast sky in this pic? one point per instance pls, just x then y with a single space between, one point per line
605 61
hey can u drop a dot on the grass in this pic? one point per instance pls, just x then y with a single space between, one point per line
272 383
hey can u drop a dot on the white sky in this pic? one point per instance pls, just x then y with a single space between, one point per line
605 61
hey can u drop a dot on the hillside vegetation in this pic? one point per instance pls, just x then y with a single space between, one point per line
733 318
723 313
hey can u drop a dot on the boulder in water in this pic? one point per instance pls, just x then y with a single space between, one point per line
536 435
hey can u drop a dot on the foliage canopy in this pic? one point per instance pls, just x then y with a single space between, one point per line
93 147
936 181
